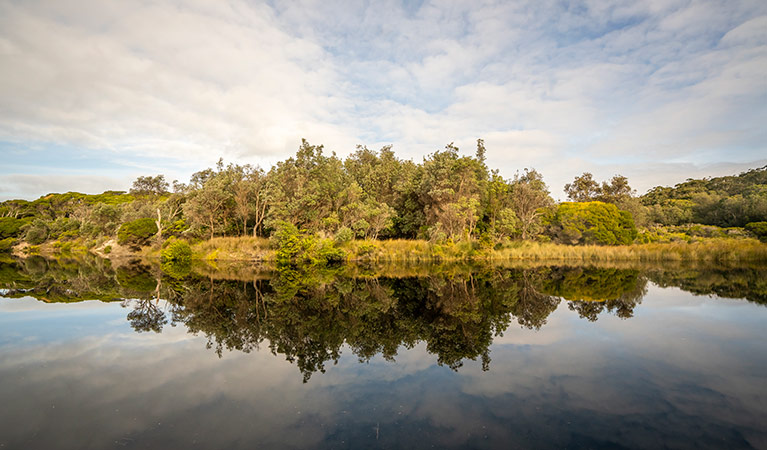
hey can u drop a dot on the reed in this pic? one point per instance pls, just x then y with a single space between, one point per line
233 249
419 251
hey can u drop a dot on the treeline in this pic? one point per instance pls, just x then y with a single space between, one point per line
375 195
730 201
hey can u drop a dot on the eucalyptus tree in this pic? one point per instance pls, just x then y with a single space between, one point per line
210 202
305 190
529 196
452 189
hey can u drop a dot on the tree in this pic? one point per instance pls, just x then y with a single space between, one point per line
616 191
451 190
306 190
209 205
149 186
530 196
583 188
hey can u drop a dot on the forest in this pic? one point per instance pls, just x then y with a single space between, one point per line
319 201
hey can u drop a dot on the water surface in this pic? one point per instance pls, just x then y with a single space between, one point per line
100 356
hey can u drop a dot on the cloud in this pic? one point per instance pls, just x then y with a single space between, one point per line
623 85
11 184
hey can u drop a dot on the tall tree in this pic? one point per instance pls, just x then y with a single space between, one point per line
530 196
583 188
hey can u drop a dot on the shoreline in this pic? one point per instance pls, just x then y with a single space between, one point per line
259 250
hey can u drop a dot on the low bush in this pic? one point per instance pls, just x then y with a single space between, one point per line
11 227
136 233
343 235
6 245
36 233
176 251
759 229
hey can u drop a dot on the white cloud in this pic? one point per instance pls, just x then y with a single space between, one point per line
622 85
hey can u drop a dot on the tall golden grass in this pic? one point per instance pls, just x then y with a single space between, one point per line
419 251
233 249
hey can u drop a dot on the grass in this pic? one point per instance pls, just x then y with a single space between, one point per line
715 249
233 249
729 250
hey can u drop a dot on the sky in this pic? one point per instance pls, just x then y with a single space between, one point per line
95 94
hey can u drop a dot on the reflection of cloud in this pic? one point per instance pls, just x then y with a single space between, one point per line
684 368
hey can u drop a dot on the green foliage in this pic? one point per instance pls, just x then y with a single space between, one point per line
12 227
327 253
63 228
723 201
176 251
759 229
295 247
176 228
591 223
530 197
343 235
148 186
289 243
447 198
7 244
137 232
36 232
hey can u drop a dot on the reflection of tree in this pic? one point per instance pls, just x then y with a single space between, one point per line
307 316
740 282
591 291
146 316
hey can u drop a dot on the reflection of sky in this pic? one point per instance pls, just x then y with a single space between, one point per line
685 371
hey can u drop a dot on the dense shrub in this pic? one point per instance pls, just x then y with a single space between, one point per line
63 227
37 232
288 241
759 229
297 247
137 232
6 244
176 251
326 252
591 223
343 235
11 227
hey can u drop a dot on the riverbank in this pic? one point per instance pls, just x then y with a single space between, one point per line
253 250
418 251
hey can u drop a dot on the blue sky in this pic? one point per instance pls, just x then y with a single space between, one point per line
95 94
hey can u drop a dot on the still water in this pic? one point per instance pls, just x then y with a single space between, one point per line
100 356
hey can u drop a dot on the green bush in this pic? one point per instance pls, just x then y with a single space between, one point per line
37 232
176 251
759 229
137 232
343 235
289 243
176 228
327 253
6 245
591 223
297 247
63 227
11 227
